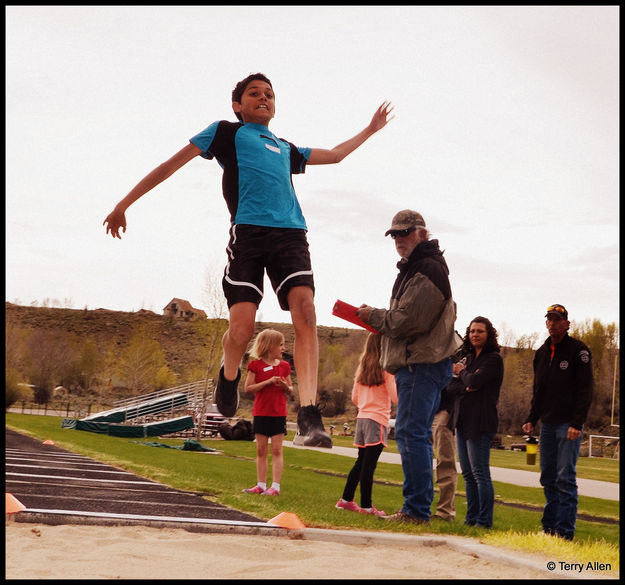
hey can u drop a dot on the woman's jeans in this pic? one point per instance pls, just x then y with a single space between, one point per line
474 457
558 460
419 389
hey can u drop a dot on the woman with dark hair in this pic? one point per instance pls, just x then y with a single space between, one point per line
477 423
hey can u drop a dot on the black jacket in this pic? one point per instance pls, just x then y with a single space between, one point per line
450 401
563 384
478 408
418 327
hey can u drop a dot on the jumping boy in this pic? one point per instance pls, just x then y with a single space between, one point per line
268 232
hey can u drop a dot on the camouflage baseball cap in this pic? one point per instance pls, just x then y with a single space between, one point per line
404 220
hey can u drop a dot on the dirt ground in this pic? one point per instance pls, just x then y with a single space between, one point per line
40 551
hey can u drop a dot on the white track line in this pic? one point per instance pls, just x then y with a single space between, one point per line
153 518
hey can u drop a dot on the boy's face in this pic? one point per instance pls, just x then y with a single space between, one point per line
258 104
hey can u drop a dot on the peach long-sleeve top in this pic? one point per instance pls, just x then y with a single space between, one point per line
374 402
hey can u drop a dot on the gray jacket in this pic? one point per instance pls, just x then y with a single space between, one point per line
418 328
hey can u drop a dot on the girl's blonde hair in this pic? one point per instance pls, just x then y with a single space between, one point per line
370 372
264 342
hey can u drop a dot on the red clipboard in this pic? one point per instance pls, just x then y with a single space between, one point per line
348 312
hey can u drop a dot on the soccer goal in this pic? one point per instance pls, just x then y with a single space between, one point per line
603 446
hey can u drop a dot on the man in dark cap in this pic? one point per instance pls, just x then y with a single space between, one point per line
418 340
563 385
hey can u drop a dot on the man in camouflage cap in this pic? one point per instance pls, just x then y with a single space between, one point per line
418 340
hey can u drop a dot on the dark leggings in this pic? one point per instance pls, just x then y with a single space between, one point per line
362 473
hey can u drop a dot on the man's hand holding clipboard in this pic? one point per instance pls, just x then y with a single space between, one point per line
348 312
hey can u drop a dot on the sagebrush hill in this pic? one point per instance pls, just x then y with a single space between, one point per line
183 342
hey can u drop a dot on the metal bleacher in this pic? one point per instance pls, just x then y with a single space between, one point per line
160 404
177 410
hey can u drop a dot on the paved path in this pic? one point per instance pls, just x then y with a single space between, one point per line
605 490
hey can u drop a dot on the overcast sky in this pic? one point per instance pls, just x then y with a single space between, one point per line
505 138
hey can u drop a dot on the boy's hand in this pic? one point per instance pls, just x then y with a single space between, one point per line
115 220
323 156
381 117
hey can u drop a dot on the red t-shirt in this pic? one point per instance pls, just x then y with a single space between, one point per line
271 400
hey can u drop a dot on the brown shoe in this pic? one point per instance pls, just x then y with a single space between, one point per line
406 518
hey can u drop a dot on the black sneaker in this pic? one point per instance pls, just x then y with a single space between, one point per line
310 431
227 394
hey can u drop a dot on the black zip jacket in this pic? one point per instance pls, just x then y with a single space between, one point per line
427 259
418 327
563 384
478 407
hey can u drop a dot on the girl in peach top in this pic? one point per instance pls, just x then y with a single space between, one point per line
374 390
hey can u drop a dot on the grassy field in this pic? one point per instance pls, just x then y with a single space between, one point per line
313 481
600 468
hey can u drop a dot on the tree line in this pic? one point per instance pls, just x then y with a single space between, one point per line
337 367
46 364
43 364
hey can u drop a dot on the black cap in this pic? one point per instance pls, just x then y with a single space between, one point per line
558 310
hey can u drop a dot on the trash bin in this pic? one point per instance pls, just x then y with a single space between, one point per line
531 448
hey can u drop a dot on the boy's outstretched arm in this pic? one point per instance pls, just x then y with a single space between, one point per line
117 218
322 156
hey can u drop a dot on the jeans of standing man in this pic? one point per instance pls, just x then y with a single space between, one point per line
474 457
446 473
558 460
419 389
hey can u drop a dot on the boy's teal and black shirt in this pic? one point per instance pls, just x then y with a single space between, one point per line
257 167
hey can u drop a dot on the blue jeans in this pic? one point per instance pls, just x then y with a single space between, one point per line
474 457
418 396
558 460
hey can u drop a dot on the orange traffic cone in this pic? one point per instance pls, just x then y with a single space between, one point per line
287 520
13 505
48 442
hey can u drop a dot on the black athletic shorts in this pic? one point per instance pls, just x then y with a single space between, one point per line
252 250
270 425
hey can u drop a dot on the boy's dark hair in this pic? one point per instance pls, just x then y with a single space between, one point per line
239 88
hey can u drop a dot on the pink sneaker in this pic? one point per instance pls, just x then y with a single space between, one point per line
351 506
255 490
271 492
373 511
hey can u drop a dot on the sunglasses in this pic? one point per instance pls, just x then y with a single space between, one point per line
556 308
401 233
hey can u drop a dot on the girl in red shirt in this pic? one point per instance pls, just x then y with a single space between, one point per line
269 379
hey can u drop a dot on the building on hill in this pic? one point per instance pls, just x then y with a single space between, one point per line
181 309
145 312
